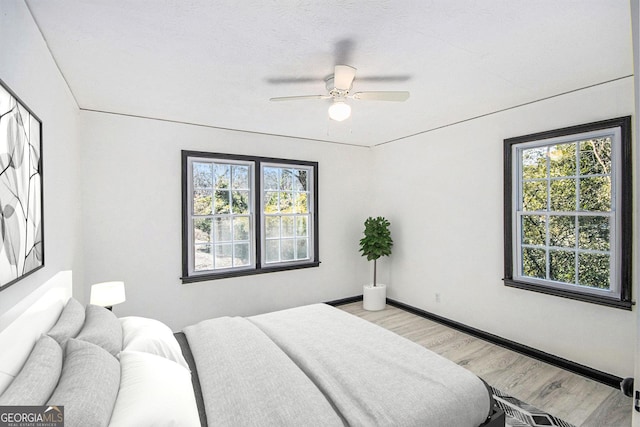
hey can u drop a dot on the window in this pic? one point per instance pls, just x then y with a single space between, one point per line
287 213
247 215
568 212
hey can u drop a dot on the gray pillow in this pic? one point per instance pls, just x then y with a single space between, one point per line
102 328
69 323
38 378
88 385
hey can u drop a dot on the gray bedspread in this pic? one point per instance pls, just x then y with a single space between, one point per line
373 376
247 380
317 365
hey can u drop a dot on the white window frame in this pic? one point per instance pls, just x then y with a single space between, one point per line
191 217
310 215
613 214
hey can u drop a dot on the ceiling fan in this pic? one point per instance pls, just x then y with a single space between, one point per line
339 86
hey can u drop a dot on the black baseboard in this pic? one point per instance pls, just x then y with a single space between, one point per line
576 368
344 300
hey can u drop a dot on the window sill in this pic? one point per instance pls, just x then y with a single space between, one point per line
248 272
594 299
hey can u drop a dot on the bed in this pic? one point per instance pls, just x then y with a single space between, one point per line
314 366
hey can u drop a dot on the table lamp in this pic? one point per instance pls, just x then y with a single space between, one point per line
107 294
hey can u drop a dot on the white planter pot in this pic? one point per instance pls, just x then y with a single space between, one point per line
374 298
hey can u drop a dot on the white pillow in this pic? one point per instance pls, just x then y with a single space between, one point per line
150 336
153 391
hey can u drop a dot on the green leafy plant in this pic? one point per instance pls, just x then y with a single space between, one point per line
377 241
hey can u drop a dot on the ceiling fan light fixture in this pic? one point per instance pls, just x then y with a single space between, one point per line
339 111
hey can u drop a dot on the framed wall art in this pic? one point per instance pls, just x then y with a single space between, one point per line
21 201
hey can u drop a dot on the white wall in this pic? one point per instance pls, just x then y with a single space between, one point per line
28 69
443 192
132 219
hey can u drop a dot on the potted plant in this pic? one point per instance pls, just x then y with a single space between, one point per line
376 242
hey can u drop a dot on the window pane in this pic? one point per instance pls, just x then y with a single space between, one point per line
534 230
240 177
240 201
272 229
270 181
534 196
202 175
271 202
301 226
562 231
222 174
287 226
221 204
534 263
203 260
202 202
301 203
222 229
300 180
224 256
202 230
562 160
286 250
595 194
562 266
240 254
594 233
595 156
303 248
241 228
593 270
286 179
273 251
286 202
563 195
534 163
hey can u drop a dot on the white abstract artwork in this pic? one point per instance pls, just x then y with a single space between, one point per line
21 248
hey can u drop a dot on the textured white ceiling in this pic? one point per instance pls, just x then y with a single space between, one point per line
217 63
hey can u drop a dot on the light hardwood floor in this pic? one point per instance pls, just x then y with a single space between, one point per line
573 398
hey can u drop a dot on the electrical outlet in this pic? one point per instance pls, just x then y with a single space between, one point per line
437 297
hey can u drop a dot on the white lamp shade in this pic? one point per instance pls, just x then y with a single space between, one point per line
339 111
107 294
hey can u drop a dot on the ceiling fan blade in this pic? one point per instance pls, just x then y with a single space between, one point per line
298 98
343 77
397 96
289 80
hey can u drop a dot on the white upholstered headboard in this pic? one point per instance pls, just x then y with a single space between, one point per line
23 324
